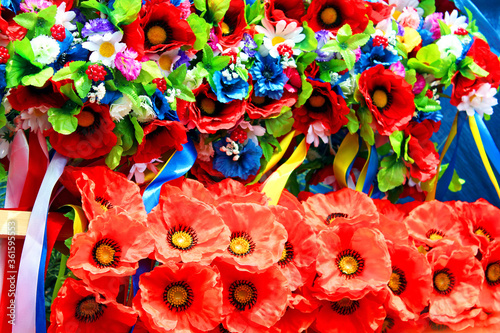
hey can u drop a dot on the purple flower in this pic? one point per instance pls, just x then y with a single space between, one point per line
97 26
126 63
322 37
419 85
184 59
213 40
398 68
250 45
431 23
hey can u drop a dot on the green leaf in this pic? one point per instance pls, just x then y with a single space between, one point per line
428 60
217 9
445 29
306 92
429 6
396 139
68 242
407 157
478 70
178 75
220 62
76 65
17 66
95 5
201 5
392 173
280 125
208 55
331 46
67 90
367 134
349 57
49 15
344 33
125 11
149 72
63 74
3 119
254 13
411 76
26 20
23 48
201 30
242 72
456 182
138 131
83 85
267 150
186 94
358 40
353 124
63 120
306 58
114 156
38 79
310 43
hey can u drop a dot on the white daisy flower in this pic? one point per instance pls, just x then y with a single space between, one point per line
288 34
36 119
450 44
64 17
45 48
454 21
481 101
104 48
402 4
166 60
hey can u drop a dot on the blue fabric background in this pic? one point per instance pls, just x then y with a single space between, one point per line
469 165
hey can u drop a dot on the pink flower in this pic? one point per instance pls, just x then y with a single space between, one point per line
431 23
126 63
409 18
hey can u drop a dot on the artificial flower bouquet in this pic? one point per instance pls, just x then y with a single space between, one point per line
171 154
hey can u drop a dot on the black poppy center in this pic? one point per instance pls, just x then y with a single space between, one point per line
434 234
241 244
397 282
350 263
287 255
242 294
382 99
88 310
483 232
345 306
88 121
106 253
329 17
331 218
105 204
178 296
492 273
156 33
182 237
443 281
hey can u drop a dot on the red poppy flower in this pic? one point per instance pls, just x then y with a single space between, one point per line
457 277
421 149
160 136
484 58
489 299
433 221
207 114
301 249
333 14
327 210
410 285
378 11
287 10
389 98
298 317
229 31
112 247
180 298
257 239
290 201
230 190
103 190
264 107
324 105
187 230
393 324
25 97
393 231
158 28
92 138
352 261
390 210
189 188
205 173
482 219
349 315
78 308
252 302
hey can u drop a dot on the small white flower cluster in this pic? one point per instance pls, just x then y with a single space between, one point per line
76 38
97 93
287 62
231 149
171 94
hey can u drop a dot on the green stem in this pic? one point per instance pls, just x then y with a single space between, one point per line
60 277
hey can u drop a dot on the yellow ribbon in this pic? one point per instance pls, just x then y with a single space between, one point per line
276 182
431 186
482 153
80 222
362 176
347 152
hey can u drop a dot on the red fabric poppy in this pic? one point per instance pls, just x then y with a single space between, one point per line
301 248
187 230
207 114
489 299
25 97
287 10
434 221
410 285
378 11
393 324
299 316
482 220
324 105
93 136
333 14
484 58
158 28
350 315
389 98
230 190
265 107
324 211
103 190
390 210
180 297
457 277
257 239
393 231
290 201
205 173
160 136
112 247
230 30
421 149
252 302
77 308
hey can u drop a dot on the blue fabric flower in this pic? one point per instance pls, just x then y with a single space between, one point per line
228 88
13 6
269 75
3 82
74 53
373 56
426 37
97 26
161 106
435 116
111 97
248 163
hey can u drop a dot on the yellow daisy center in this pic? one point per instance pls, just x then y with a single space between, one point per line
165 62
329 15
85 119
156 35
380 98
106 49
278 39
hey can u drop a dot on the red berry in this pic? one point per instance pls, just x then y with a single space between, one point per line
380 40
96 72
285 49
461 32
238 135
58 32
161 84
429 94
4 55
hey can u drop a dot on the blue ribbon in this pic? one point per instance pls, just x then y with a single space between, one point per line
371 172
444 181
41 320
489 145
